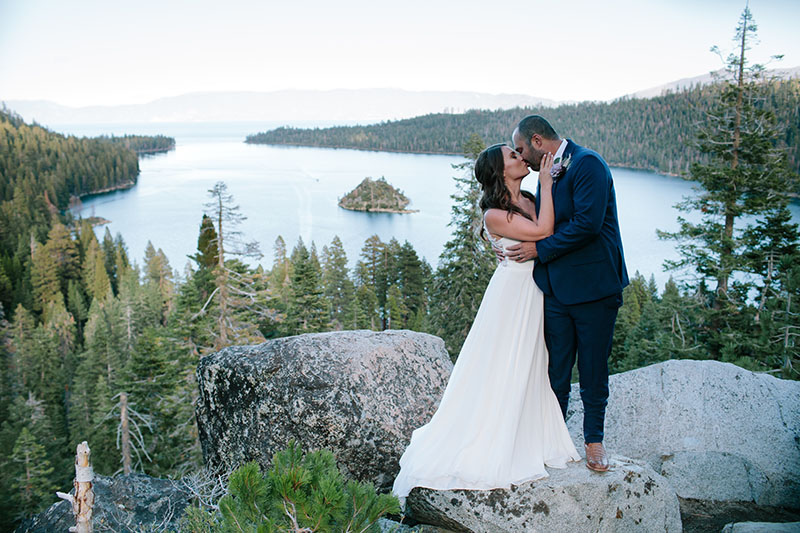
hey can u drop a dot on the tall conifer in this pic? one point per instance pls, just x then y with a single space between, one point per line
747 176
467 262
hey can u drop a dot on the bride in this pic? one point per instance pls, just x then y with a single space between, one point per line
498 422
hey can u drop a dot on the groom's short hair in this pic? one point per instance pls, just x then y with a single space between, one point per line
536 124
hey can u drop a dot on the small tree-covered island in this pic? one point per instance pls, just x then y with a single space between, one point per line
376 196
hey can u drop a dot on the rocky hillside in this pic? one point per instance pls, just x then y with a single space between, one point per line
376 196
695 445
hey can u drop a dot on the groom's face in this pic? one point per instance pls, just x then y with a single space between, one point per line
528 148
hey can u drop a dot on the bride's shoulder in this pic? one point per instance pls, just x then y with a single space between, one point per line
495 217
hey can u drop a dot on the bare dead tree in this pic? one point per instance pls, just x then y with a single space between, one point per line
129 432
125 431
235 290
83 500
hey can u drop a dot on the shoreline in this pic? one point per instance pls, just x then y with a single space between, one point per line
423 152
155 150
382 210
118 187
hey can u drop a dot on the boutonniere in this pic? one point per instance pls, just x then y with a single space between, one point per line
560 168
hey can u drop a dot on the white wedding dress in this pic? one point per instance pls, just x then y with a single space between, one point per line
499 422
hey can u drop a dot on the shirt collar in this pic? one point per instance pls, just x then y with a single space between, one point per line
560 152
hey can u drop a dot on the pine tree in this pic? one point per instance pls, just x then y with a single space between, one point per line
149 378
667 330
76 302
66 256
158 277
109 259
26 470
33 489
207 252
308 311
367 315
234 286
302 492
746 176
397 314
413 277
106 457
466 263
44 276
338 287
773 253
635 297
6 289
368 268
95 277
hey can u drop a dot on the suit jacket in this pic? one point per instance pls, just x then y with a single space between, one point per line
583 260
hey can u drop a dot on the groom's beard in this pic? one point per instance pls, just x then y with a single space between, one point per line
537 159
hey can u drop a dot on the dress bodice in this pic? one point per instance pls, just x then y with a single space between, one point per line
502 243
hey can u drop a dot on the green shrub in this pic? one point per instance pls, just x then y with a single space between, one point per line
301 493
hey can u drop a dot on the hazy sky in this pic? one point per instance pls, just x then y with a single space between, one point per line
84 52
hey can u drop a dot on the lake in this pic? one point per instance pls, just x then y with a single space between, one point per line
293 192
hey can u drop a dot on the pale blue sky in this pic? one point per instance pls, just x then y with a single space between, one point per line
84 52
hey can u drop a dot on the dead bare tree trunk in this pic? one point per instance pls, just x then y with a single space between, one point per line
83 500
126 433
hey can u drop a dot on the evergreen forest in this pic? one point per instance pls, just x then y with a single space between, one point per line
143 144
656 134
96 347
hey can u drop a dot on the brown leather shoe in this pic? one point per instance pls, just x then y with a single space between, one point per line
596 458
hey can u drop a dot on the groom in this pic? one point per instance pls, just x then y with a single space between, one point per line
581 271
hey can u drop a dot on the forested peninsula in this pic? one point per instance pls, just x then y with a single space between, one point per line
40 172
657 134
143 144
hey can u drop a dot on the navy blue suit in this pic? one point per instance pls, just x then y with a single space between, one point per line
581 270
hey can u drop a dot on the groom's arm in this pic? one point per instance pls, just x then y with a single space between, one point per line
590 198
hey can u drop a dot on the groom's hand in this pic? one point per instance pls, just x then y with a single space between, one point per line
498 251
524 251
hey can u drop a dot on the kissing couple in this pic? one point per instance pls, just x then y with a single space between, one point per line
552 299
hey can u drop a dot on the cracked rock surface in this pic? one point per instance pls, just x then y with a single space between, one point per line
359 394
630 497
714 430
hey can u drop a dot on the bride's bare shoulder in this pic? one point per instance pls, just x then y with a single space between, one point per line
495 218
495 215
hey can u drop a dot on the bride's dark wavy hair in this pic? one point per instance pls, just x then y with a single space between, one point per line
489 172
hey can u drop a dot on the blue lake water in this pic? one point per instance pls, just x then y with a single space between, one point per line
293 192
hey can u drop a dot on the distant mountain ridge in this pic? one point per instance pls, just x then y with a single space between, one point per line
365 105
705 79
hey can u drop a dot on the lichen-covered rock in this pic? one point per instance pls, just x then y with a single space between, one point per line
390 526
359 394
762 527
714 430
630 497
135 502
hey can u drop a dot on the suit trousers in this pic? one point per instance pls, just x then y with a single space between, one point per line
585 329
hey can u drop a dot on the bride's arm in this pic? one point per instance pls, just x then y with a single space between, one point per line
517 227
547 215
520 228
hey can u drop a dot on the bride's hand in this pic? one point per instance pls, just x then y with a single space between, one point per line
544 169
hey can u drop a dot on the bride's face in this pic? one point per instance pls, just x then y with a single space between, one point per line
514 166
